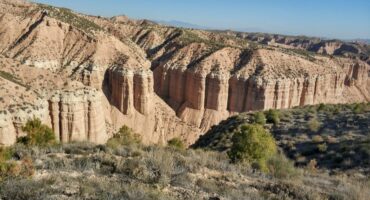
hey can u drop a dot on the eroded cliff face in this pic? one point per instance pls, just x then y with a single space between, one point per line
77 116
163 82
131 90
73 115
135 104
203 95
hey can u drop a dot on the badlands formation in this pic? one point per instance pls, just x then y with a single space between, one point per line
86 76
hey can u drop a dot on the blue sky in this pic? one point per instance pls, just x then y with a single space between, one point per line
344 19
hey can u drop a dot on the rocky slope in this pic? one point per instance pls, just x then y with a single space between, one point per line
206 76
95 74
63 59
354 49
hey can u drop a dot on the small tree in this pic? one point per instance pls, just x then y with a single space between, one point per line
176 143
37 134
273 116
125 136
253 144
259 118
314 125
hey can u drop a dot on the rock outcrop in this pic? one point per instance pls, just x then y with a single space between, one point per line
73 116
77 116
12 120
131 90
131 93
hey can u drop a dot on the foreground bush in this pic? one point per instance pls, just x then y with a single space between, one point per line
314 125
125 136
259 118
38 134
176 143
10 169
281 167
273 116
253 144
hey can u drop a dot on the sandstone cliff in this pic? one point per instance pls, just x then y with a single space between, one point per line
95 74
73 116
77 116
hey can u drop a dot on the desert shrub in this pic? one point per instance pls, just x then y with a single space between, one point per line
253 144
176 143
125 136
317 139
259 118
38 134
10 168
281 167
365 147
322 107
312 165
358 108
209 185
273 116
322 147
313 125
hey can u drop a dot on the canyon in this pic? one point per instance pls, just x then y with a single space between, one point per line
87 76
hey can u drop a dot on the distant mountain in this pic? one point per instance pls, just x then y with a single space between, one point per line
182 24
365 41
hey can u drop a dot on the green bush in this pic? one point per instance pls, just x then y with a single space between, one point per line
176 143
313 125
38 134
273 116
259 118
358 108
125 136
281 167
253 144
322 147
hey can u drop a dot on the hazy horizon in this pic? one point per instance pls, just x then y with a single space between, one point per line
338 19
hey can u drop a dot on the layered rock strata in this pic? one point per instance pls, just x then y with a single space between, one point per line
131 89
77 116
193 94
73 116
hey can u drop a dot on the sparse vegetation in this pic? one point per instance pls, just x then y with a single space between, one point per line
340 142
84 170
11 78
67 16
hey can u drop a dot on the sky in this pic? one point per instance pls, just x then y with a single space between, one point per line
342 19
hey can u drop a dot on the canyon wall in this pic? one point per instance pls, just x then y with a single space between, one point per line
132 102
205 99
131 89
77 116
73 116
